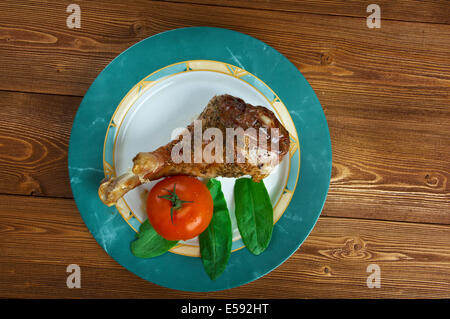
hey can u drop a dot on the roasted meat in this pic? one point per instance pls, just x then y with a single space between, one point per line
259 143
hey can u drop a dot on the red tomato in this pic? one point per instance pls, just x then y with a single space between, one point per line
191 203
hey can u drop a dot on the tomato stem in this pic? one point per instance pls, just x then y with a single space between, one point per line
175 201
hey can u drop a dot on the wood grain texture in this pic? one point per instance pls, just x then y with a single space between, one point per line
332 263
389 162
34 140
434 11
385 93
339 53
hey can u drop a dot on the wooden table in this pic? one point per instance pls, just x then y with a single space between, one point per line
385 92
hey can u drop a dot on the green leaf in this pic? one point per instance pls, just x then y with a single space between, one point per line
254 214
149 243
215 241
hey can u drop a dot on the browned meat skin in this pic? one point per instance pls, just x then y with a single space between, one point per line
222 112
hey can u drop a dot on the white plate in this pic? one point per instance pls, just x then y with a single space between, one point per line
147 118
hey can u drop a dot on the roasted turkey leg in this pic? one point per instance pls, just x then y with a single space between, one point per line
223 112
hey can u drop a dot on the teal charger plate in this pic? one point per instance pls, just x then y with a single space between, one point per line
168 48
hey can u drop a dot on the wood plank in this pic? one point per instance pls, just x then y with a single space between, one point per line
332 263
390 161
336 52
435 11
34 141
